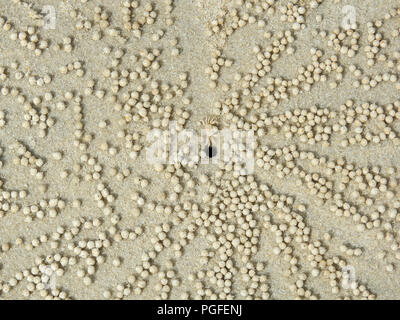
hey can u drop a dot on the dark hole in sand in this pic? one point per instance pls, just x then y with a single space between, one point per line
211 151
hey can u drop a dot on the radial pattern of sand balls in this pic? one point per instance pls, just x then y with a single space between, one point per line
314 213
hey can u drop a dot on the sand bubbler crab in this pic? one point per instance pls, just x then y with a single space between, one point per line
209 131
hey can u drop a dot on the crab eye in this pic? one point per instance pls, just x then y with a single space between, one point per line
211 151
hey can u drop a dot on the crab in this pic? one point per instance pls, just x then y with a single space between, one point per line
209 126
